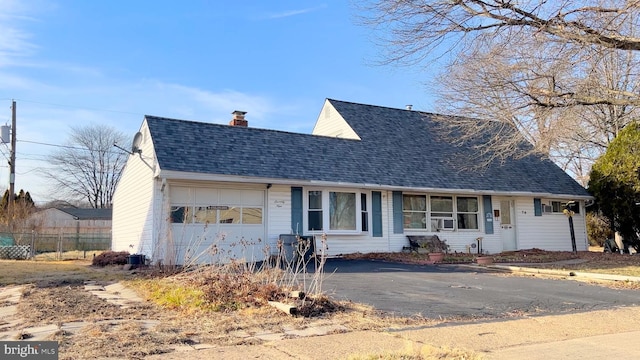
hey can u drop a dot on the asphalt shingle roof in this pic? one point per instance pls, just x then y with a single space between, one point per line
88 214
398 148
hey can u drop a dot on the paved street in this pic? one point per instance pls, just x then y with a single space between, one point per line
452 291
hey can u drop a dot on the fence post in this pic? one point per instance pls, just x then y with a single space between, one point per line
59 247
33 243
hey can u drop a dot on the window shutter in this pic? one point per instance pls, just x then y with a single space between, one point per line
488 214
376 213
296 210
537 207
398 227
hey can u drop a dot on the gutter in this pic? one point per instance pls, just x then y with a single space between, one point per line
190 176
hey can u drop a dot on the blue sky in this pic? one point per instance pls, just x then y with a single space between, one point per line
69 63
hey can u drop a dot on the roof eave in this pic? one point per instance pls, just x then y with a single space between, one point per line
193 176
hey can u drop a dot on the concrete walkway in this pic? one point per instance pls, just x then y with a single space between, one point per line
607 334
11 328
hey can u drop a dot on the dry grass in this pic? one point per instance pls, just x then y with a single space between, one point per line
68 255
27 272
128 340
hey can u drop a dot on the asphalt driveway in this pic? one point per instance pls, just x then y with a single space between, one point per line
452 291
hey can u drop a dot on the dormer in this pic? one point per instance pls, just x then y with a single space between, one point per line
331 123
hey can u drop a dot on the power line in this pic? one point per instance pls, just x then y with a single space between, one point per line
68 147
80 107
55 145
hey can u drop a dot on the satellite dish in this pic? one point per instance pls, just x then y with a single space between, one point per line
137 140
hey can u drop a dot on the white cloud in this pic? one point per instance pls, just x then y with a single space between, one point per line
14 42
289 13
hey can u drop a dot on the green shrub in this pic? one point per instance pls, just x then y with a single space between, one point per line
598 229
111 258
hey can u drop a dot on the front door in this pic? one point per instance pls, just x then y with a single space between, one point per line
507 224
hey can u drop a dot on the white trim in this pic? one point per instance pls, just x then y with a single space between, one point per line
190 176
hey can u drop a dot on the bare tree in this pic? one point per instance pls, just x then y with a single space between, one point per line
560 72
88 168
414 28
518 90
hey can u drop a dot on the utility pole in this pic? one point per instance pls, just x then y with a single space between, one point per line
12 164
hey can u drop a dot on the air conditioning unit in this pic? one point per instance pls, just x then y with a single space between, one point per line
443 223
547 209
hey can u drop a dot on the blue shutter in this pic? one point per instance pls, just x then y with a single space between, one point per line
398 227
537 207
488 214
296 210
376 213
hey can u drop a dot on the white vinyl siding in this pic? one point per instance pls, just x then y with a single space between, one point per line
550 232
133 215
331 123
279 219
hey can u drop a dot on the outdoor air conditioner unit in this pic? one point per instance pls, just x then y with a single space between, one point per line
443 223
548 209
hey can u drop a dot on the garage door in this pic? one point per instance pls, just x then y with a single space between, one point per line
217 224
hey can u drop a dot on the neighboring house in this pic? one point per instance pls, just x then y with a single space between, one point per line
71 220
367 177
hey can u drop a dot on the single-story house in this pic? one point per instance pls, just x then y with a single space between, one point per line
366 177
69 219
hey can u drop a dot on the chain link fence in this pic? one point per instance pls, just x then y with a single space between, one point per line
60 246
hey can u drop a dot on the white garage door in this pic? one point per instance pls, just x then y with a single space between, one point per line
217 224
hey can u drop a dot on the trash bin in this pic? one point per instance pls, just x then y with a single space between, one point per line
307 246
296 247
610 246
289 246
136 260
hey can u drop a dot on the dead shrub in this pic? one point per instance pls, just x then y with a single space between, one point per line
111 258
319 306
236 290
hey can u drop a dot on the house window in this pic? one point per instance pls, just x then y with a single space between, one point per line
442 206
231 215
251 215
206 215
440 212
337 211
315 210
557 207
216 214
342 211
181 214
364 212
467 210
414 211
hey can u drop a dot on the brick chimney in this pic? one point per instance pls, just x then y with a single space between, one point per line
238 119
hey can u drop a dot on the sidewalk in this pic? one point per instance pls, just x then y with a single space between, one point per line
595 335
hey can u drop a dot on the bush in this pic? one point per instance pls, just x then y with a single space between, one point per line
598 229
111 258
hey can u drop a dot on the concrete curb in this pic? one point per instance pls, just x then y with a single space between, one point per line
587 275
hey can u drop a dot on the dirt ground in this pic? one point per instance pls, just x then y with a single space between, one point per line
58 297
